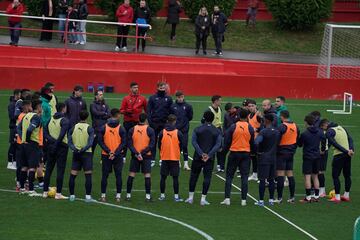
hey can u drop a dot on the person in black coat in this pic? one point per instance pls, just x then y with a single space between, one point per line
218 27
202 28
173 17
142 16
48 10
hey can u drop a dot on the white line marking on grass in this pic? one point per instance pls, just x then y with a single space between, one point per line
205 235
273 212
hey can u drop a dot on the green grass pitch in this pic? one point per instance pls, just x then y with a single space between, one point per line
22 217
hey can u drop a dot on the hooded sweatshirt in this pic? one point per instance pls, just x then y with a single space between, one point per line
310 141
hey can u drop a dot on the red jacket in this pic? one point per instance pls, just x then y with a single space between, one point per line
132 106
125 18
16 11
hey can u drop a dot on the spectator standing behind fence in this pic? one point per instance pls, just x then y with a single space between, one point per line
253 7
142 16
202 28
83 13
48 10
173 17
218 27
125 14
62 12
15 8
72 25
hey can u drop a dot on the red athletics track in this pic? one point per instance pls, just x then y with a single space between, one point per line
30 67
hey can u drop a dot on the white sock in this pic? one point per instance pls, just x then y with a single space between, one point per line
255 175
147 196
191 195
227 200
321 190
186 164
162 195
175 195
337 197
88 196
347 194
128 195
308 197
103 195
271 200
118 195
203 197
72 196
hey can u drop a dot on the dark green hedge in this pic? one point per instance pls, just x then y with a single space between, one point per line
192 7
299 14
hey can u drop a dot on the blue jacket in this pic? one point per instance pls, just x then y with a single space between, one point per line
120 149
11 113
74 105
310 140
100 113
64 124
184 114
266 143
158 108
206 138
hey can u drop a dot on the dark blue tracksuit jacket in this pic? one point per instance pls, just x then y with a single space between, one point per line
310 140
266 143
206 138
184 114
158 108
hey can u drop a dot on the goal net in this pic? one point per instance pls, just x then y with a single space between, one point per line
340 52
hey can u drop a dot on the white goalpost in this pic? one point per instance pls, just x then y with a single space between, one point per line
340 52
347 105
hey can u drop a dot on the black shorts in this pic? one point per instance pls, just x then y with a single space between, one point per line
171 168
31 155
136 165
108 165
323 161
285 161
266 171
82 161
311 166
198 165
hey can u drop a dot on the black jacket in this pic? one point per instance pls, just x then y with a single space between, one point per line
83 11
62 7
310 140
45 8
100 113
266 143
206 138
74 105
173 12
202 21
143 13
218 23
158 108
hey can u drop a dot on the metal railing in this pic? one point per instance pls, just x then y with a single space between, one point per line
66 31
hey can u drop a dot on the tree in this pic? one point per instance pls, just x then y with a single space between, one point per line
34 7
192 7
110 6
299 14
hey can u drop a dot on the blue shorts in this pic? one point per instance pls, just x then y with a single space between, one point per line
31 155
311 166
171 168
144 166
285 161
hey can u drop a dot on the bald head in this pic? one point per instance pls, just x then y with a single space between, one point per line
266 104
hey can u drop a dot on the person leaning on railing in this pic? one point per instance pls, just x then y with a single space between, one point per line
125 14
15 8
142 16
